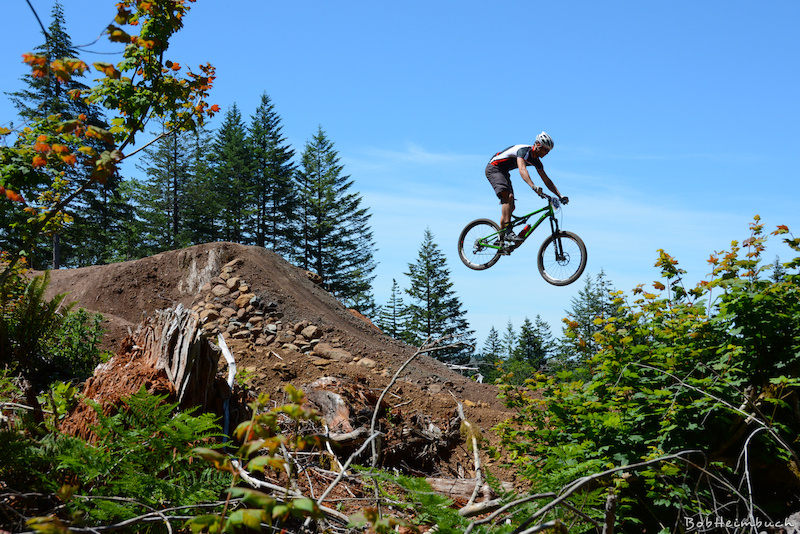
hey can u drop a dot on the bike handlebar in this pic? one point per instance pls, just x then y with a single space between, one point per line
556 202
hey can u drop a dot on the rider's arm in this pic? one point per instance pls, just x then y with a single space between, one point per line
548 182
523 171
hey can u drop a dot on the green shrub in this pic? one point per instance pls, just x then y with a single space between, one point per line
673 374
42 340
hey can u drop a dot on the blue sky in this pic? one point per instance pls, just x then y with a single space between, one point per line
674 123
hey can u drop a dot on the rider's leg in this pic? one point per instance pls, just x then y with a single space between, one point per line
506 209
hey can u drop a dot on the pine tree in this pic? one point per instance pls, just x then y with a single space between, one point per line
491 355
509 341
202 212
535 343
593 302
273 180
779 272
232 165
96 212
436 312
393 317
160 197
336 238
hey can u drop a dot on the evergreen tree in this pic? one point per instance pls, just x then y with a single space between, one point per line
202 212
491 355
393 318
535 343
593 302
492 347
274 193
509 341
336 238
436 312
95 213
232 164
160 197
778 271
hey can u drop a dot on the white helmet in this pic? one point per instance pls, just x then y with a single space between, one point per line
545 140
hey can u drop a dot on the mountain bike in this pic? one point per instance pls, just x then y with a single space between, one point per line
562 256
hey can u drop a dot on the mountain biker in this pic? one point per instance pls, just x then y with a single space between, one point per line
498 171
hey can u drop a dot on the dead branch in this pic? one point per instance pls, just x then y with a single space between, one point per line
471 434
288 492
568 490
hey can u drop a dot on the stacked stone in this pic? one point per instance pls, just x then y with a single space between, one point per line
226 305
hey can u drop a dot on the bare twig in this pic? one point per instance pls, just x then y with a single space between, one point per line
471 434
428 346
341 475
611 511
761 422
572 488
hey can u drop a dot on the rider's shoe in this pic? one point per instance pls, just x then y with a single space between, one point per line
513 239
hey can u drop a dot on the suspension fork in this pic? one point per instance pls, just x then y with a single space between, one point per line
557 239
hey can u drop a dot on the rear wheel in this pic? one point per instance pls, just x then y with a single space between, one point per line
477 246
562 258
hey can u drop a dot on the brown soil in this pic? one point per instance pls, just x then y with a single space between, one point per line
126 292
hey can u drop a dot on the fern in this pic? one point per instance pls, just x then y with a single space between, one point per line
143 453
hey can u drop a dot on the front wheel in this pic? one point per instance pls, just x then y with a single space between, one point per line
478 244
562 258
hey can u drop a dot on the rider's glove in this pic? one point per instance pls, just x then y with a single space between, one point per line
537 190
564 200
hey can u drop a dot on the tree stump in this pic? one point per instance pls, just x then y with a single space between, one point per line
168 355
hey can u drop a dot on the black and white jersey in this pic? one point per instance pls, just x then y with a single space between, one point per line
506 160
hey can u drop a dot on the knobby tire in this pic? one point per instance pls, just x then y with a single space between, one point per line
474 255
566 268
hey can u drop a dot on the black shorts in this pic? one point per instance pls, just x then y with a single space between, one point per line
500 180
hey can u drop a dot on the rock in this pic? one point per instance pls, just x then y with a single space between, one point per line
311 332
220 290
327 351
209 315
244 299
334 409
299 327
233 263
285 337
233 283
367 362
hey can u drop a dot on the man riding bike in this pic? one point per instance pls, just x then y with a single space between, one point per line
498 171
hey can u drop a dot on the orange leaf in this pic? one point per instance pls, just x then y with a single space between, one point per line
107 68
14 196
117 35
38 161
